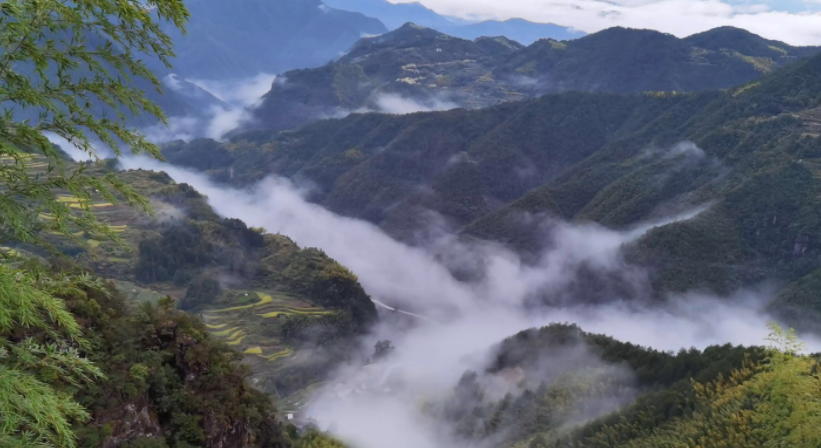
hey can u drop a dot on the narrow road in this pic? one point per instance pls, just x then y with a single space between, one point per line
390 308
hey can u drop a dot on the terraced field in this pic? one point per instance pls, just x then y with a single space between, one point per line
247 325
11 252
248 319
106 211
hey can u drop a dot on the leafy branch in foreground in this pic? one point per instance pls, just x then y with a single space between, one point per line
32 411
70 70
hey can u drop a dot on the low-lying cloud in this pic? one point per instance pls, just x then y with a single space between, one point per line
773 19
411 278
226 105
378 406
395 104
238 92
390 103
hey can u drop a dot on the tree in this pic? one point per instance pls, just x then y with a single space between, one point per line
202 291
67 69
59 62
382 349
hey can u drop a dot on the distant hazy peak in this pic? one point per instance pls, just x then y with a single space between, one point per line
395 15
411 30
724 32
408 35
620 32
745 42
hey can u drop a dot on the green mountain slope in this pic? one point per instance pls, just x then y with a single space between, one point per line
167 381
261 294
412 62
431 70
599 392
749 154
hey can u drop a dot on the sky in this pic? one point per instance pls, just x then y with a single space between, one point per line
797 22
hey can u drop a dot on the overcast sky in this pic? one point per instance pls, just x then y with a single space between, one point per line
796 22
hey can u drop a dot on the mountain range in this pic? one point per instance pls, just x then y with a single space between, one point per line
223 41
415 68
746 155
700 157
394 15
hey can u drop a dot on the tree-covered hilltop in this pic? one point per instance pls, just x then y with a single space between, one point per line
166 382
417 68
559 386
749 155
260 293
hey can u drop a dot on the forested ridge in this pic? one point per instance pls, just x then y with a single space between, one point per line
418 68
578 389
747 155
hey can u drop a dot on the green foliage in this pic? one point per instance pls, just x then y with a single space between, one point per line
315 439
69 69
774 403
720 397
57 59
382 349
202 291
575 383
166 380
37 352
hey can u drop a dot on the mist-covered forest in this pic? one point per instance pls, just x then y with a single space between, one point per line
291 224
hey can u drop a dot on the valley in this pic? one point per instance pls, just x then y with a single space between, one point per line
612 159
364 224
268 325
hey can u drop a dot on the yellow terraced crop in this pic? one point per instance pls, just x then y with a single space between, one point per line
282 354
236 334
225 332
237 342
264 298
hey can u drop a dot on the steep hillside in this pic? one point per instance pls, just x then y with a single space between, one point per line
748 155
412 65
259 293
605 393
415 68
167 381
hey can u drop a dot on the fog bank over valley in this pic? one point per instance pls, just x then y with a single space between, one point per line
464 319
